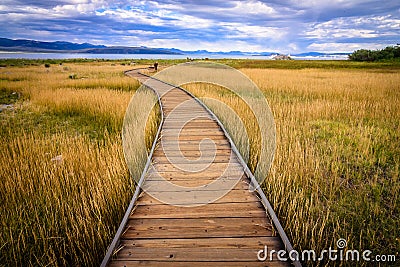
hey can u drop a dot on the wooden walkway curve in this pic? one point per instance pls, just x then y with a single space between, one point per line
194 208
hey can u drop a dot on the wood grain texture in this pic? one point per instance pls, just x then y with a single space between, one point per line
214 220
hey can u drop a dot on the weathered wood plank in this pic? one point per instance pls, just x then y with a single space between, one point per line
206 124
214 210
204 148
193 143
190 185
189 119
216 242
204 159
193 153
192 198
197 228
172 176
126 263
234 196
216 167
184 109
197 137
197 160
191 131
181 134
189 254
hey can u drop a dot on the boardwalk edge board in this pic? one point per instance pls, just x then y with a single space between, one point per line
256 186
125 219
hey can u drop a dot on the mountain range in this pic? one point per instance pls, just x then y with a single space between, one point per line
32 46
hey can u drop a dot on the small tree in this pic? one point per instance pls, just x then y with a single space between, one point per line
388 53
362 55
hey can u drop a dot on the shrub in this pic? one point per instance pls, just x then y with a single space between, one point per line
388 53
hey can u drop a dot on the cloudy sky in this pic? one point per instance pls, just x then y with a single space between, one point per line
287 26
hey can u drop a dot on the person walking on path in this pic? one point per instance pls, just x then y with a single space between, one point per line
155 66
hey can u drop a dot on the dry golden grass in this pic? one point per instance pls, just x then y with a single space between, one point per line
60 211
335 172
65 184
336 169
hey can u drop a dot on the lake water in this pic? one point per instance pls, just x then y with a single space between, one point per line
143 56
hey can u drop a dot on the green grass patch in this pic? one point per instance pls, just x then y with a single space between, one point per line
362 159
25 119
305 64
8 97
235 63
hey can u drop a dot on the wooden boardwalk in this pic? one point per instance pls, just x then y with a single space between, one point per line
194 207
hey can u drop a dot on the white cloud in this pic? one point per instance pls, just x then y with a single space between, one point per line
133 15
253 7
31 12
187 21
140 32
254 25
213 46
341 33
318 4
25 13
156 18
354 27
158 5
343 47
238 30
292 48
381 22
78 7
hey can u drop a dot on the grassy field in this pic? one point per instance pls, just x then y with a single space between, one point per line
308 64
65 184
336 169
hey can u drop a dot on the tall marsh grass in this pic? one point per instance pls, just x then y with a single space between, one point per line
336 169
65 185
60 211
64 189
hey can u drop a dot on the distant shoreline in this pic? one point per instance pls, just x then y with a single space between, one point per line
44 55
